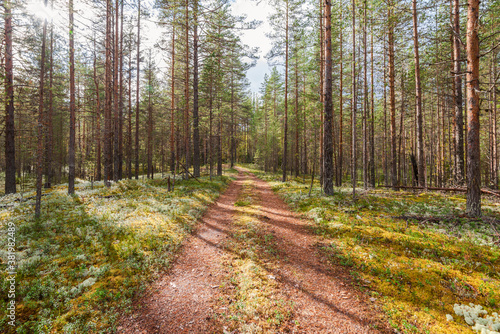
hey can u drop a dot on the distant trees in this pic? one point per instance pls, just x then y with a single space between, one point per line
397 147
358 95
112 110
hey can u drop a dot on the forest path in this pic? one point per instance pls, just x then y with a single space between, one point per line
186 299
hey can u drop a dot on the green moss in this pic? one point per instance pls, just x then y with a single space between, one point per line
416 270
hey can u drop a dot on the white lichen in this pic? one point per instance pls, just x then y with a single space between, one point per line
478 318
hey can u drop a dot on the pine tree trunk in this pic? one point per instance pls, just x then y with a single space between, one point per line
49 131
354 102
495 130
473 148
296 165
372 123
108 86
321 86
10 135
196 130
10 147
40 127
129 128
340 159
150 123
71 151
285 121
328 105
98 175
392 99
418 103
116 116
459 120
186 94
120 115
365 101
232 146
137 97
172 101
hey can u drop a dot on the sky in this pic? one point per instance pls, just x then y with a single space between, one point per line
254 10
255 38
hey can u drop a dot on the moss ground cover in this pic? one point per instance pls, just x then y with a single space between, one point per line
83 261
417 270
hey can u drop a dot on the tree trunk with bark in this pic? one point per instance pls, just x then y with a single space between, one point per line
196 130
354 102
10 135
137 90
285 120
473 148
108 86
392 97
328 104
418 102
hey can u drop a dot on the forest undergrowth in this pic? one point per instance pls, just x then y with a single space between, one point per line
89 254
416 269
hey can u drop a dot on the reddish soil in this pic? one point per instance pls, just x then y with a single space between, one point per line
182 300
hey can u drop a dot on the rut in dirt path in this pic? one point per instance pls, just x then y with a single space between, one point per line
187 299
180 302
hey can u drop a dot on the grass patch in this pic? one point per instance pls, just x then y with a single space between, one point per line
81 264
417 271
253 302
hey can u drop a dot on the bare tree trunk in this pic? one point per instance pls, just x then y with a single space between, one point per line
98 138
372 125
354 101
338 182
495 130
137 98
186 93
321 85
392 98
49 131
365 102
150 123
285 121
116 123
196 130
232 148
10 135
219 125
473 147
129 128
39 151
328 104
296 164
210 129
172 101
108 161
459 120
120 115
71 151
418 103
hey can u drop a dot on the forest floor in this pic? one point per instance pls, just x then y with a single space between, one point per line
247 253
252 266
